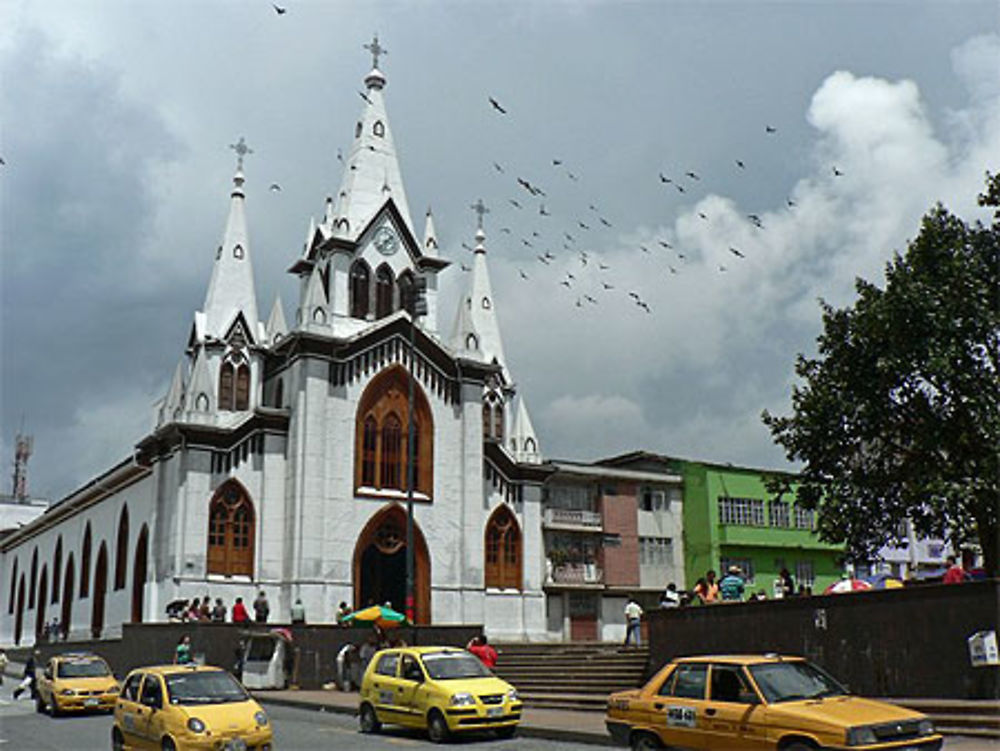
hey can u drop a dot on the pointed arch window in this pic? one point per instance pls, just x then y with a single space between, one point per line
227 374
405 284
487 419
379 129
503 550
13 588
498 422
382 433
121 551
384 285
56 568
231 532
360 281
85 564
243 387
34 577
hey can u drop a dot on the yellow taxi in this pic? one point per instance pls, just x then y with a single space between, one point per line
757 702
75 682
443 689
188 707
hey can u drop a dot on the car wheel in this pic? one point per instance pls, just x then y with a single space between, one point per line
53 708
168 745
508 732
369 720
798 746
645 741
117 740
437 727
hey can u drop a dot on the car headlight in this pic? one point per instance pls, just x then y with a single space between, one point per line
861 736
68 692
462 700
260 718
195 725
512 695
926 727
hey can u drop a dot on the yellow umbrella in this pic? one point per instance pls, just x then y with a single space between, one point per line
379 615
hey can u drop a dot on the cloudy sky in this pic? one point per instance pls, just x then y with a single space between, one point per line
116 117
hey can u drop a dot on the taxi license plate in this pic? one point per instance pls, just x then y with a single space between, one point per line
494 712
91 702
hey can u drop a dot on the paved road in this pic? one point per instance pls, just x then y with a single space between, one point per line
21 729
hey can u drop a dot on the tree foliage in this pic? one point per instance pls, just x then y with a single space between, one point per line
898 417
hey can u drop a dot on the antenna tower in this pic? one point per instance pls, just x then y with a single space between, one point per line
22 452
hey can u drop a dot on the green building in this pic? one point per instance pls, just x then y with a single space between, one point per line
730 518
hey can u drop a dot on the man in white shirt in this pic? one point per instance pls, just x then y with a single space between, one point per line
633 617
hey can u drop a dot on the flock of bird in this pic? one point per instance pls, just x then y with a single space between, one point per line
594 276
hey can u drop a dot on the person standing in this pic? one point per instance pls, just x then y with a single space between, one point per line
342 612
670 598
711 588
28 681
182 654
633 620
955 573
240 614
261 609
298 613
219 611
731 586
482 649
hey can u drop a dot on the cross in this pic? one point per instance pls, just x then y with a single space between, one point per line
480 208
241 149
376 49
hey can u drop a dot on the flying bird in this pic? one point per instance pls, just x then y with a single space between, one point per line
681 256
465 268
643 248
605 222
769 129
549 255
791 203
644 306
340 155
542 211
274 187
680 188
497 167
565 284
739 163
692 175
505 230
837 172
497 107
523 275
578 303
722 268
603 266
702 215
593 207
590 299
570 276
467 247
535 234
665 179
634 295
526 243
556 162
736 253
279 10
607 286
514 203
568 236
572 177
665 244
672 269
543 259
582 225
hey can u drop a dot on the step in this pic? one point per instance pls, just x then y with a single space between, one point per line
984 722
587 702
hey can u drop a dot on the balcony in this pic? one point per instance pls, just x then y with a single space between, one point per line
573 520
572 575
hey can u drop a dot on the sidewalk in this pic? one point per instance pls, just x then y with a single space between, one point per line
554 724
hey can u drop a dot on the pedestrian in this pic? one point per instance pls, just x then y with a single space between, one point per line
298 613
240 614
711 588
731 586
260 608
205 611
955 573
367 651
342 612
28 676
633 619
240 656
219 611
176 610
482 649
182 654
785 585
194 612
3 665
670 598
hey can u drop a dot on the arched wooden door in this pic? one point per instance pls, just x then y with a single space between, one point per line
380 564
43 594
139 574
19 617
99 592
69 587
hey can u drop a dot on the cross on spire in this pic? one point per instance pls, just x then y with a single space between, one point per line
480 208
376 49
241 149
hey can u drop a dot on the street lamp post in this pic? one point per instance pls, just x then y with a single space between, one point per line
417 307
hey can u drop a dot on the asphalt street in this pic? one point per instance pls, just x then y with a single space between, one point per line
21 729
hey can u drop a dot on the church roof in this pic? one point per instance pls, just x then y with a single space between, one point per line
276 326
231 288
523 433
430 246
371 171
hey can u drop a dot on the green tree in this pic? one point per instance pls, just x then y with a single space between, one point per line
898 417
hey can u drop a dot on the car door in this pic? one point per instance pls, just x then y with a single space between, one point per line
386 687
129 711
734 713
412 690
153 718
677 709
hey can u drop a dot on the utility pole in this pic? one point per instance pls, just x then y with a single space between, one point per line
417 307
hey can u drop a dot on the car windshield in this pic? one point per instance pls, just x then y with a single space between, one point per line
794 681
208 687
82 669
443 666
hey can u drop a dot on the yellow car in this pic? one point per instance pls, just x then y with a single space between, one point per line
75 682
188 707
443 689
752 703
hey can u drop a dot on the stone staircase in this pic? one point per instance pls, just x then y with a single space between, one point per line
563 675
973 717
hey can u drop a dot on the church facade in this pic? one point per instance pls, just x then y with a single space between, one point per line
278 461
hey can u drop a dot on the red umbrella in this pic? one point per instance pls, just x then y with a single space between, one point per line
847 585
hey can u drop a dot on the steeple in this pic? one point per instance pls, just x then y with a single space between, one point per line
523 436
430 246
231 289
477 313
371 175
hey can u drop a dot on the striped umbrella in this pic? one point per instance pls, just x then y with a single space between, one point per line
378 614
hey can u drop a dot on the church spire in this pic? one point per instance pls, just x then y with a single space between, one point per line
371 175
231 289
477 313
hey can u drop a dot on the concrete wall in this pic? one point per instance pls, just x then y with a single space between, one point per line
900 642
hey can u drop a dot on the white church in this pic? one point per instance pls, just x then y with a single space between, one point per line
278 456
